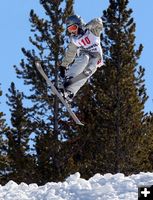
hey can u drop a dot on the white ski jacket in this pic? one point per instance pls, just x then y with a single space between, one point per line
88 42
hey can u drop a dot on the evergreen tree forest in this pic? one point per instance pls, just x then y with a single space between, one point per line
42 143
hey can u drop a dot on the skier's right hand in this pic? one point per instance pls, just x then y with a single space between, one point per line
62 71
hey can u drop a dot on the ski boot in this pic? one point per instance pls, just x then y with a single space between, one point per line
66 94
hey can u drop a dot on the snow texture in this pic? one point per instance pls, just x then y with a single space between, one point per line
99 187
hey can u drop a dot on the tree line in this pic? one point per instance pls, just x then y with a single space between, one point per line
42 143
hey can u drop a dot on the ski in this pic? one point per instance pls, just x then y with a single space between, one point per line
55 91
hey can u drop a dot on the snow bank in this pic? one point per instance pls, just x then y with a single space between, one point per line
107 187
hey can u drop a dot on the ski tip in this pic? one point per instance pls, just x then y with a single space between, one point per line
38 65
80 123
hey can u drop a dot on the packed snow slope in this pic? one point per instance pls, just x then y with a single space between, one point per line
107 187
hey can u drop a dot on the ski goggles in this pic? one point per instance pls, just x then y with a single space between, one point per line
72 28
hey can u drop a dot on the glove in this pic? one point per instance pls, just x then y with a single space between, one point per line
62 71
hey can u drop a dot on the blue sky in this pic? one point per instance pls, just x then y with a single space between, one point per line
15 31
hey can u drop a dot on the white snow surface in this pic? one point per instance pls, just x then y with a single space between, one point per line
99 187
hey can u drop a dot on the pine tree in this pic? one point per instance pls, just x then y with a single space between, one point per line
48 47
129 93
113 103
20 159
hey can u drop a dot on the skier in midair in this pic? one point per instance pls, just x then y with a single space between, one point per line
83 55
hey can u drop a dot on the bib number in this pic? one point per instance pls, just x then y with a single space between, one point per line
85 41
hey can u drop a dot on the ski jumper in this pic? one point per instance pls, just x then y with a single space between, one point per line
84 55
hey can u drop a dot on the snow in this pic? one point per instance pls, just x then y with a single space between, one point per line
98 187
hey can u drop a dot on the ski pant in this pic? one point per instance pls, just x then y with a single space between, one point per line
84 65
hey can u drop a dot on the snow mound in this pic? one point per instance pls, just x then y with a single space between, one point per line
99 187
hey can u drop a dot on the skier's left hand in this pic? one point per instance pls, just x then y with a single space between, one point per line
62 71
